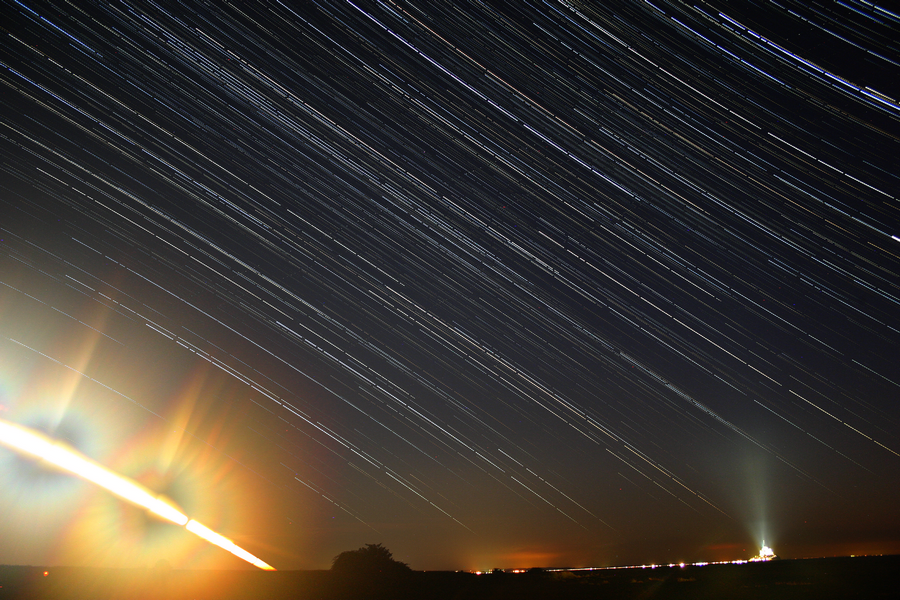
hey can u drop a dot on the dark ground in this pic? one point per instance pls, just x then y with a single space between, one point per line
823 578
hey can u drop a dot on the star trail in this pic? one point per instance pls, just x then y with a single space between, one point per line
546 283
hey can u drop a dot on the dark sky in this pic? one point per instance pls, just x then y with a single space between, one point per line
571 284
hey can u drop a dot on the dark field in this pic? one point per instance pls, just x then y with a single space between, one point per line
866 577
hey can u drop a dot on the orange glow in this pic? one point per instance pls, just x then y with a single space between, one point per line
35 444
525 559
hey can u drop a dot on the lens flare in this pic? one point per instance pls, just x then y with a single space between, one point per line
31 442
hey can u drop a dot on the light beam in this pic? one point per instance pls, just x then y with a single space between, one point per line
31 442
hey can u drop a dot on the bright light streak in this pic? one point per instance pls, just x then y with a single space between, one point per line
34 443
223 542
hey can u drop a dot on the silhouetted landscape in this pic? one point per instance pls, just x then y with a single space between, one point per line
844 577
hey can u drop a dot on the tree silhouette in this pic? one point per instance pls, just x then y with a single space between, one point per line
371 559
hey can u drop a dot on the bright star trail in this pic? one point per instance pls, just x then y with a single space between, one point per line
545 283
32 443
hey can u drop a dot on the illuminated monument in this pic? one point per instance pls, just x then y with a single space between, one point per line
765 553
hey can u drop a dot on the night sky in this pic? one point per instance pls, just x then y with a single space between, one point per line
538 284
